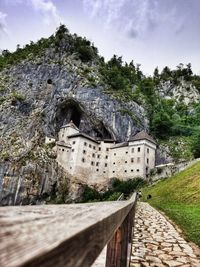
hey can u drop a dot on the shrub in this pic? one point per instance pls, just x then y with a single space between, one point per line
90 194
85 53
195 145
17 96
127 187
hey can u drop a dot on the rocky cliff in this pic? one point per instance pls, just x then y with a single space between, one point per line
39 95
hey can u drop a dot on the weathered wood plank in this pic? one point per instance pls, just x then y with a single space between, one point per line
119 247
58 235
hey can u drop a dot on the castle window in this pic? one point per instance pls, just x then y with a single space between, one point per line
138 160
83 160
113 171
97 170
132 160
104 171
72 150
107 149
98 156
93 155
63 149
84 151
106 164
85 144
125 161
132 150
92 163
131 170
99 148
126 152
113 163
138 149
97 164
138 170
147 161
148 150
74 142
94 147
106 156
125 171
90 145
114 154
62 135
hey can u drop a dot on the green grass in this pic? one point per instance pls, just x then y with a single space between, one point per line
179 198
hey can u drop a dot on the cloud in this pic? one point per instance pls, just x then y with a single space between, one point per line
3 25
135 18
48 10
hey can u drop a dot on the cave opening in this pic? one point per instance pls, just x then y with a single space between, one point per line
67 112
75 116
71 111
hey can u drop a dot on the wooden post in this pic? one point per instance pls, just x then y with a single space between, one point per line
119 247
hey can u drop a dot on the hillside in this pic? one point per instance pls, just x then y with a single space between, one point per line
179 198
46 84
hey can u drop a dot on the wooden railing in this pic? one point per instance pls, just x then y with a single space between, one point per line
66 235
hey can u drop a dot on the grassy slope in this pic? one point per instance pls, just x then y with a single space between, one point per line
179 198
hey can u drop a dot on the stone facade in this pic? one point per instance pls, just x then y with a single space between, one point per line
93 160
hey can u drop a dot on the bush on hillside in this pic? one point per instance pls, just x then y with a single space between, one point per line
195 145
117 187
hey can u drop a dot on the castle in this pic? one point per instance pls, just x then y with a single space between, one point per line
92 160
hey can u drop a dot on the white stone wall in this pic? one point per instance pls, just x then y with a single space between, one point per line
96 162
63 156
86 158
65 132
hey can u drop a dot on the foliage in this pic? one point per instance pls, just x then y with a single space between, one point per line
179 198
195 144
117 188
90 194
16 96
2 100
127 187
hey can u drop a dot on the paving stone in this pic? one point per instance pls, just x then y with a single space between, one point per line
156 242
183 259
165 257
173 263
153 259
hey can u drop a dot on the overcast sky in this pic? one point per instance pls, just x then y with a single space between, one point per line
151 32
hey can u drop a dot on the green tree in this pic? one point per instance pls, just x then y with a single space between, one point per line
195 145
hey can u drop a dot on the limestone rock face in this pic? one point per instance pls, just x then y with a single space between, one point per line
37 98
183 92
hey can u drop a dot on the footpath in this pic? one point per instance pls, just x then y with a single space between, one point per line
157 243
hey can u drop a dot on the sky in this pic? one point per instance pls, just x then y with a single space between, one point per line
153 33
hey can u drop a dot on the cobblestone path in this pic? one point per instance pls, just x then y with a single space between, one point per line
157 243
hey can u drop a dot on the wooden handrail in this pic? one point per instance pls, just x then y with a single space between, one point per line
121 197
66 235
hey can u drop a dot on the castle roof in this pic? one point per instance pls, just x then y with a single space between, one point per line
120 145
70 124
83 135
142 136
62 143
